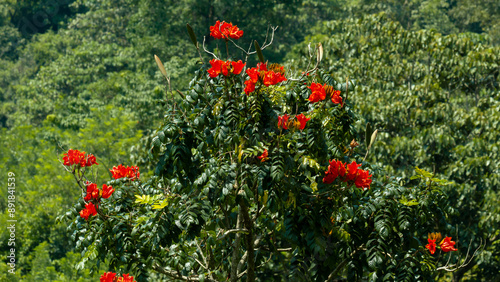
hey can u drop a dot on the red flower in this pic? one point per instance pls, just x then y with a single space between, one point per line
303 120
448 245
342 170
91 160
318 92
431 246
88 211
126 278
254 74
272 78
363 179
133 173
225 30
76 157
279 78
237 67
225 68
267 77
120 171
329 178
262 66
347 173
336 99
215 31
235 32
111 277
107 191
334 170
92 191
108 277
250 87
283 121
216 68
264 156
352 170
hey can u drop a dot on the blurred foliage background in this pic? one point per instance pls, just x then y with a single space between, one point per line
80 74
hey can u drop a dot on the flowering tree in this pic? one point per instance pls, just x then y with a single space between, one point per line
257 176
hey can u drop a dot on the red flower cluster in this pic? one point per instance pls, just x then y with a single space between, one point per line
76 157
264 157
88 211
267 77
120 171
94 193
446 244
319 93
111 277
348 173
299 122
226 68
225 30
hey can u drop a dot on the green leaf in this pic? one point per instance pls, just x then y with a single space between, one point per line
192 35
259 52
406 202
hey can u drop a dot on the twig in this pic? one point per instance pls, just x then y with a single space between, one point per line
205 49
307 67
454 267
263 47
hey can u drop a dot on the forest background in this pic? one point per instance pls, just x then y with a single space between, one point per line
80 74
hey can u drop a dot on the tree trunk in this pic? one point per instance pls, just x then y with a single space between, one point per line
249 243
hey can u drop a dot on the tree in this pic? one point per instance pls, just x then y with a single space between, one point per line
257 176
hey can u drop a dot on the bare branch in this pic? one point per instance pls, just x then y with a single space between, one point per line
205 49
454 267
236 230
263 47
307 67
272 37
